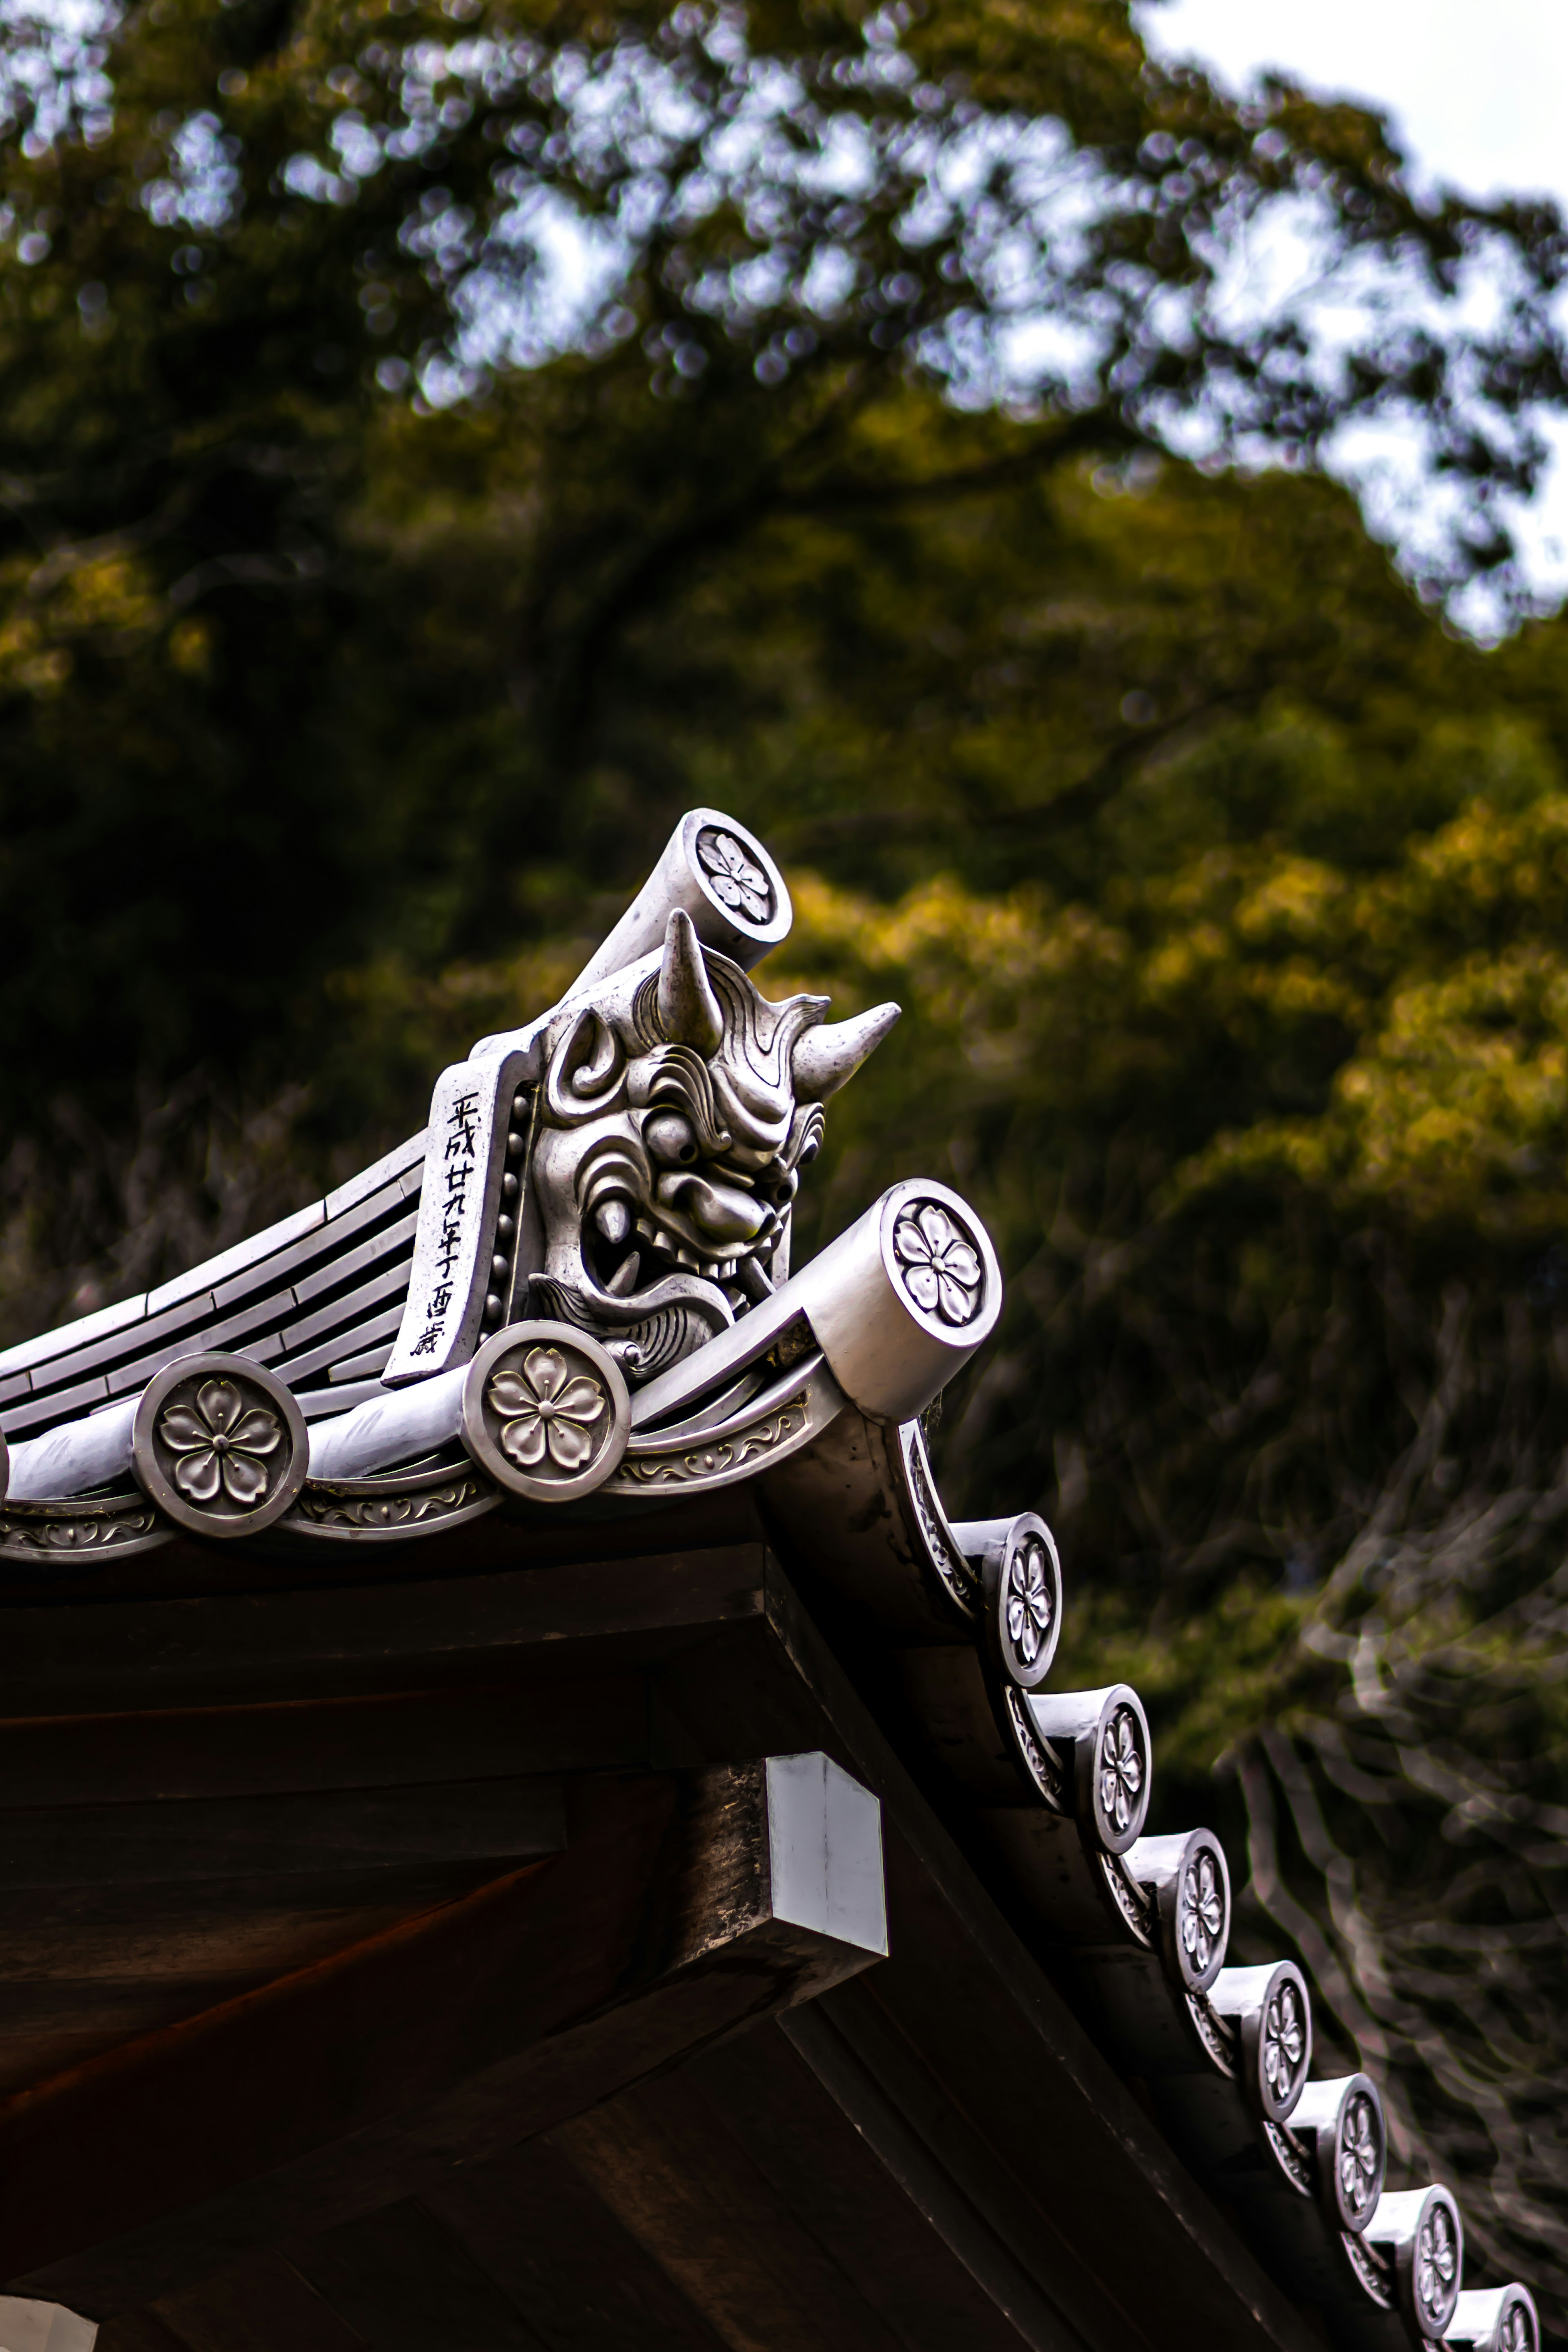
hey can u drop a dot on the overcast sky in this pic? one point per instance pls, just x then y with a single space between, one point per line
1478 94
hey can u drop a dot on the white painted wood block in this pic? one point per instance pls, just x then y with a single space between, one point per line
43 2327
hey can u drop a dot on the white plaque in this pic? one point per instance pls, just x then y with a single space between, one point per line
464 1159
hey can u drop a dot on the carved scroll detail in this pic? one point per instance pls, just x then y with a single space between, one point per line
1208 2028
1293 2157
1129 1899
60 1531
957 1577
1376 2277
337 1511
1039 1760
717 1464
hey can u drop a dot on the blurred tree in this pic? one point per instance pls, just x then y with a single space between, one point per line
363 627
1225 890
237 237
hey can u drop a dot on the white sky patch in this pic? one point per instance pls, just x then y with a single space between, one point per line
50 60
1476 92
1409 506
201 189
1540 525
1475 100
1480 113
570 268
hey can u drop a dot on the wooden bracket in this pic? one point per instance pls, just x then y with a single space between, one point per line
684 1908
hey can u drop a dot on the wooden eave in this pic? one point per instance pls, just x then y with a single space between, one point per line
341 1911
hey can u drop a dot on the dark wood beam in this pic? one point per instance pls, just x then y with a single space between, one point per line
228 1648
575 2274
999 2107
402 2283
258 2304
867 2214
396 1739
301 1835
685 1906
143 2331
174 1833
685 2188
968 2072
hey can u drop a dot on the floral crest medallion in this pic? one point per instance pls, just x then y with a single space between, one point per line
1123 1768
546 1411
1284 2044
1439 2255
1360 2162
219 1443
942 1268
1021 1581
1516 2330
1202 1922
736 880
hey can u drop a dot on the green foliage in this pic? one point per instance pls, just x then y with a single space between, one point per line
1223 885
262 644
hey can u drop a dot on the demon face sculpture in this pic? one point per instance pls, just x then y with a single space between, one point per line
675 1110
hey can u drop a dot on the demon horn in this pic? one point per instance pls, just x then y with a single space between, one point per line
825 1056
689 1011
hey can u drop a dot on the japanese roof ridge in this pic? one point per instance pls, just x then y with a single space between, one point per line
65 1339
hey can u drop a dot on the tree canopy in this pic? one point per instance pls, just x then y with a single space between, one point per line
440 445
243 242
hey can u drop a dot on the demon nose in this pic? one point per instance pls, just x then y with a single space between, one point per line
721 1213
670 1138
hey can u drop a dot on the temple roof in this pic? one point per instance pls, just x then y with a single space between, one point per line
521 1793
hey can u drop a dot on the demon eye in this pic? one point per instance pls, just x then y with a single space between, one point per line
671 1138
